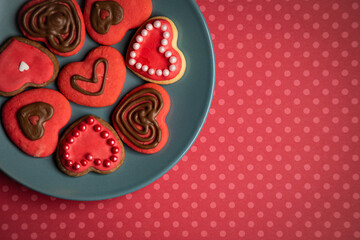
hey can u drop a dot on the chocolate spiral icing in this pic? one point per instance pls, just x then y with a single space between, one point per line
94 79
43 111
136 118
55 20
115 11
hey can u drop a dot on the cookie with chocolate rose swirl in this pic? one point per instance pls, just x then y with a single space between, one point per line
139 119
57 23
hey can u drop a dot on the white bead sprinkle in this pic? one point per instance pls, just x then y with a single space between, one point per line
166 72
132 54
139 39
144 32
158 72
172 68
151 71
149 27
168 54
166 34
132 62
164 42
157 24
136 46
164 27
138 65
145 68
173 60
161 49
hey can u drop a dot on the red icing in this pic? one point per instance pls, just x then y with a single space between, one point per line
90 149
115 78
47 144
135 13
148 53
41 68
160 118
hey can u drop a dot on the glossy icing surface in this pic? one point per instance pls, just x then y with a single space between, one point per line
12 60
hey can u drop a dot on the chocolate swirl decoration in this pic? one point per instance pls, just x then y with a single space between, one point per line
94 79
136 118
55 20
115 15
42 111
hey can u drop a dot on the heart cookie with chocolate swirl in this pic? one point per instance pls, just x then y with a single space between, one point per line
107 21
95 82
139 119
57 23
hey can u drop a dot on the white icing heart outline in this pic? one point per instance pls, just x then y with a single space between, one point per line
164 42
23 66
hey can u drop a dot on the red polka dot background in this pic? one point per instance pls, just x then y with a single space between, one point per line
278 157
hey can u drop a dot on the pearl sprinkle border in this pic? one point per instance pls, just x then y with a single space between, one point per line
162 49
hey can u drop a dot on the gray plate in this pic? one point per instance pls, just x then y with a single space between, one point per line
191 98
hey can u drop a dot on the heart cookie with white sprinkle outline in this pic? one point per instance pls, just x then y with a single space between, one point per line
89 145
153 54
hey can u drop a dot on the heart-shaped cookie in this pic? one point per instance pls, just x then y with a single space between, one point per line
139 119
95 82
107 21
89 145
153 54
57 23
34 118
25 63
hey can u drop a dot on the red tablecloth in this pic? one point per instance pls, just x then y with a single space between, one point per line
278 157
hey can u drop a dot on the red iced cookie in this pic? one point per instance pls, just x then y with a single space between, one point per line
153 54
89 145
108 21
25 63
33 119
95 82
139 119
57 23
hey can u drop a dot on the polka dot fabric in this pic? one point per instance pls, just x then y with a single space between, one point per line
278 157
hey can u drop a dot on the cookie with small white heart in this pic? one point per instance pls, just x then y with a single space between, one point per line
25 63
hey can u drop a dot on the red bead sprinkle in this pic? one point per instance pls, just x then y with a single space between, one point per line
70 140
111 142
115 150
76 133
97 128
97 162
104 134
114 158
69 163
84 162
90 120
89 157
82 127
66 156
107 163
76 166
66 147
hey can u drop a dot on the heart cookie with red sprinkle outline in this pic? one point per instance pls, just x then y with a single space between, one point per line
139 119
89 145
153 54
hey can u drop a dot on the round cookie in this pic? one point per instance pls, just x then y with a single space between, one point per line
89 145
25 63
62 26
95 82
139 119
33 119
153 54
107 21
